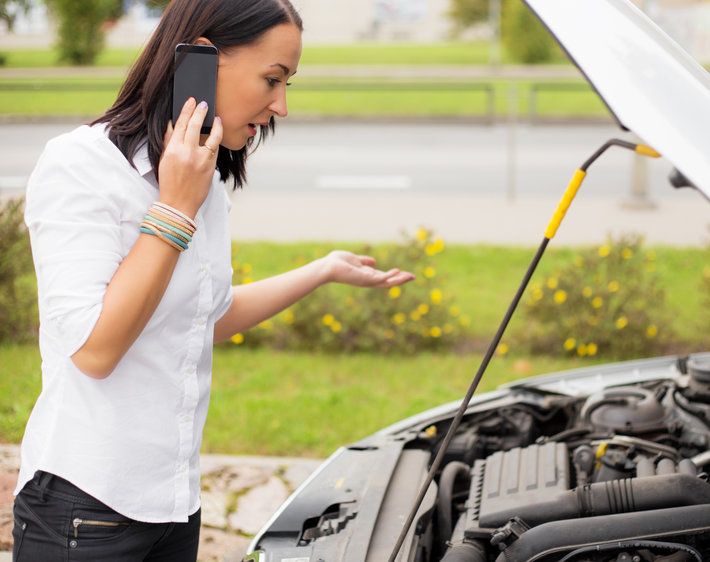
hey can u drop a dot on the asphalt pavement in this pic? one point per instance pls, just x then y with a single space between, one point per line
368 181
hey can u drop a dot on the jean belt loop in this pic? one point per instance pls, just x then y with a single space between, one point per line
44 479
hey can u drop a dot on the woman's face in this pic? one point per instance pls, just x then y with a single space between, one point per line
251 82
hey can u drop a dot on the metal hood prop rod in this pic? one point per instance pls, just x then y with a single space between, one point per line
550 232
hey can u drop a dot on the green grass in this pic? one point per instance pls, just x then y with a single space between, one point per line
295 404
454 53
308 98
307 404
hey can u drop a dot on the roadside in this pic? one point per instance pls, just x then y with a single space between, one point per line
239 494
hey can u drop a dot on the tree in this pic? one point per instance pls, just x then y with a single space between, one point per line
525 39
9 9
81 36
465 13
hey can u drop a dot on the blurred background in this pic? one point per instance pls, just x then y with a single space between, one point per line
437 135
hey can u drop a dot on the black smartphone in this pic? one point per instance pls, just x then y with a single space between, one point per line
195 74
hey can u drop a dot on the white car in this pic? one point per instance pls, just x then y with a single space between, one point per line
599 464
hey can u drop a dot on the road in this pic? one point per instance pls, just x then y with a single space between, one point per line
368 180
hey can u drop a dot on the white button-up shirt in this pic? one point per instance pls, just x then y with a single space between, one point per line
131 440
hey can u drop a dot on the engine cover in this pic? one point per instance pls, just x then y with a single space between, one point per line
513 479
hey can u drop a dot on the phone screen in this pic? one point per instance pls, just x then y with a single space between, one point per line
195 74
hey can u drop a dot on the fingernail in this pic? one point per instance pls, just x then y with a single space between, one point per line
203 105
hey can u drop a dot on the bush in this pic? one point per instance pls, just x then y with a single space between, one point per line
413 317
81 37
608 302
18 286
525 39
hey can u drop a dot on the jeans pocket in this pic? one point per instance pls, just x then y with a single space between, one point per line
97 523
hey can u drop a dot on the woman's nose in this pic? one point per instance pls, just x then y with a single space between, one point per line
279 106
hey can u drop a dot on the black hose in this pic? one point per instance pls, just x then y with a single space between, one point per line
465 552
446 493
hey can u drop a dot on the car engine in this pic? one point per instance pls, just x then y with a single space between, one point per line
619 475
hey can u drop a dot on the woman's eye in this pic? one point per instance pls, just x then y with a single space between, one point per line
272 81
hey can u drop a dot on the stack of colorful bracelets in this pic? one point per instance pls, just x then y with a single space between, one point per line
170 225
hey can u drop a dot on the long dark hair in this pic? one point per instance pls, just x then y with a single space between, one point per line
144 104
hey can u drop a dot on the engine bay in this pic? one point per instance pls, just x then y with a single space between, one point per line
619 475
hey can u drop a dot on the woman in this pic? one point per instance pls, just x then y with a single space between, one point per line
130 239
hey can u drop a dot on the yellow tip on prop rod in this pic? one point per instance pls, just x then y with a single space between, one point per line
579 176
564 203
647 151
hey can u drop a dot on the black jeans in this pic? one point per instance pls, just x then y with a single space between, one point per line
56 522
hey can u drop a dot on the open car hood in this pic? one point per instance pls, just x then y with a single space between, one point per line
649 83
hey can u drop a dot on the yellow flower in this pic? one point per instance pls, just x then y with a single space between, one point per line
435 332
597 302
621 322
587 292
570 344
552 283
288 316
454 311
613 286
592 348
448 328
706 272
429 272
465 320
581 350
389 334
436 295
537 294
336 327
652 331
627 253
435 247
246 268
247 280
237 338
422 234
560 296
266 325
395 292
328 319
414 315
502 348
604 251
399 318
422 309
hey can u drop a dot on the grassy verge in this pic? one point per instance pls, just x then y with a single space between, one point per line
307 404
296 404
310 97
454 53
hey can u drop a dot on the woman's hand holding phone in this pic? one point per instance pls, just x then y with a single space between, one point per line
186 168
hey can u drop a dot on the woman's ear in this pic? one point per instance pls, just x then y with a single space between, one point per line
202 41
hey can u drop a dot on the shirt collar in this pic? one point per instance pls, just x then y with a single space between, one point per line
141 160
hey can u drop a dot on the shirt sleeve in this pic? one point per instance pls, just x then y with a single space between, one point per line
73 214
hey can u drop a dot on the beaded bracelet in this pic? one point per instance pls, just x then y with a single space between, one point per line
170 225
